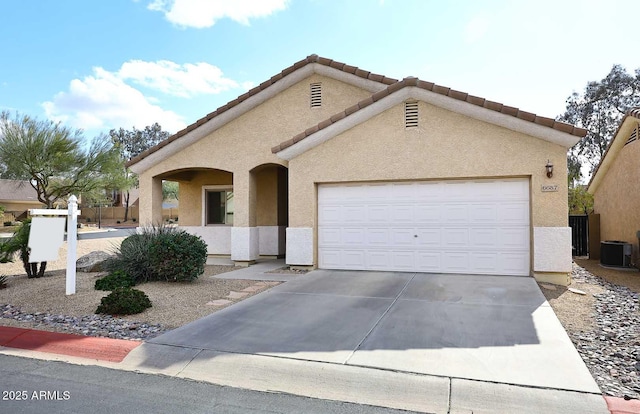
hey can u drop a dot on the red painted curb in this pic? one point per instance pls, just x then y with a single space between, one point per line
621 406
104 349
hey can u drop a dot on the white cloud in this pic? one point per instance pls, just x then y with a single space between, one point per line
476 29
205 13
104 101
174 79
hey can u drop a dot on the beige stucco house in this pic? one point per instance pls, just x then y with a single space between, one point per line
336 167
17 196
616 185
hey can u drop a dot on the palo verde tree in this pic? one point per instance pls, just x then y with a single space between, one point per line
52 158
131 143
599 109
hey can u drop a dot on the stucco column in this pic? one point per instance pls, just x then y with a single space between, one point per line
244 234
150 209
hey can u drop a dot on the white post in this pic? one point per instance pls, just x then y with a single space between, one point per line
72 243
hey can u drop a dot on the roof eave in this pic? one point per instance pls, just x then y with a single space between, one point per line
619 140
305 142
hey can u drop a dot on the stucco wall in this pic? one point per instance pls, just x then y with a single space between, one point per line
18 206
246 142
617 198
191 194
445 145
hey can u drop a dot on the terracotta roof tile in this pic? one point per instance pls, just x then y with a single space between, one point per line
388 81
461 96
442 90
311 130
365 102
380 94
561 126
324 61
337 65
494 106
376 78
527 116
425 85
475 100
541 120
349 68
509 110
338 116
351 109
410 81
325 123
362 73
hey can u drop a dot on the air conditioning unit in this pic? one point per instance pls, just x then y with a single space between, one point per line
615 253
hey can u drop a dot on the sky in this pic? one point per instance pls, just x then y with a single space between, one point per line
98 65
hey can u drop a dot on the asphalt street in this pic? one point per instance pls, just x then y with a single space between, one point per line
37 386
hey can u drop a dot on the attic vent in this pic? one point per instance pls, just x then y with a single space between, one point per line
633 136
410 114
316 95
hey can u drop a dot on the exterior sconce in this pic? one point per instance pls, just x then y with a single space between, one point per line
549 168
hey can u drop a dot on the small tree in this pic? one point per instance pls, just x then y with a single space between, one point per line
130 144
51 157
580 201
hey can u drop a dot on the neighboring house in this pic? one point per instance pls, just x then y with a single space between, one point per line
616 185
18 196
359 171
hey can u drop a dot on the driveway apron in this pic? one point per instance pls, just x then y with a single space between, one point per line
489 328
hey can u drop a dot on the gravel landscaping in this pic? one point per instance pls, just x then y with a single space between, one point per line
604 325
42 303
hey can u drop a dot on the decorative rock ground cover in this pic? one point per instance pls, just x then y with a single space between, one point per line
612 350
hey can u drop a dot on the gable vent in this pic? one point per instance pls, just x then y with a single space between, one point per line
410 114
633 136
316 95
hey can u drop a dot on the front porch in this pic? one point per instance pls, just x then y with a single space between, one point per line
240 215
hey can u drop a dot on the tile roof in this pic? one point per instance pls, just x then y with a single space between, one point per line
442 90
17 190
264 85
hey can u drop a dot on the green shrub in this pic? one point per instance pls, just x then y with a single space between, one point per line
124 301
114 280
161 253
176 255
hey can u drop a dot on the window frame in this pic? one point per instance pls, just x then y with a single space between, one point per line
213 188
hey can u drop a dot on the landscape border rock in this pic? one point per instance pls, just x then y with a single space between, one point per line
93 262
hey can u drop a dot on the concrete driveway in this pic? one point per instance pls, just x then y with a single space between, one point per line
458 336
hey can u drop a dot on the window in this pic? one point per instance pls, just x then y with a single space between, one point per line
316 95
218 206
410 114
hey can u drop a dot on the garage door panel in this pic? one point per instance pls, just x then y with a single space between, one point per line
378 213
402 214
378 237
428 261
427 213
330 215
402 237
455 213
475 226
403 260
429 237
455 262
455 237
514 212
329 236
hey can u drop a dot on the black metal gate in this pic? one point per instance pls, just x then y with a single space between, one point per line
579 235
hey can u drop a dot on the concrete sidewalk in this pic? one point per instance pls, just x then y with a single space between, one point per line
394 340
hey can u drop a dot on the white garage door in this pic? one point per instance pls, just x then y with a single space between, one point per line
475 227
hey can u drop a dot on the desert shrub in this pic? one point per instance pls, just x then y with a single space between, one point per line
114 280
177 256
4 282
161 253
124 301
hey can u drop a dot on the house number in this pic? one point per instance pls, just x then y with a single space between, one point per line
549 188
